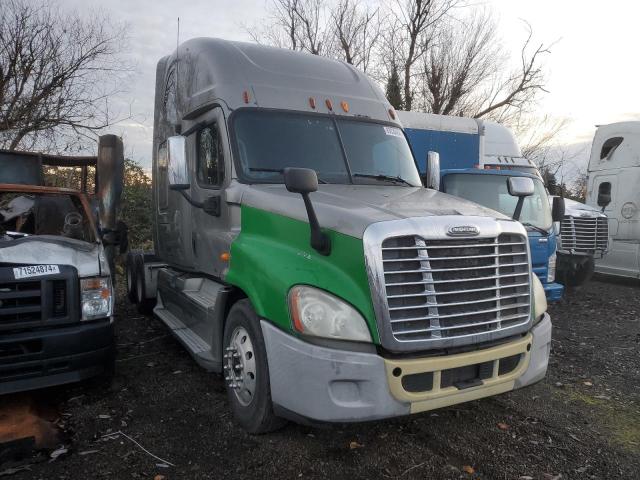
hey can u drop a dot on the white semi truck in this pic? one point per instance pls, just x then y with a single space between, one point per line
612 187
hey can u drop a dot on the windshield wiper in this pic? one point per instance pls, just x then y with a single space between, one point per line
277 170
380 176
538 229
268 170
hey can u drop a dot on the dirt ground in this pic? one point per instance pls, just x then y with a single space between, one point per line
582 421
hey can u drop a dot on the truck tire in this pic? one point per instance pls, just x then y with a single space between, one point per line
579 273
246 371
145 305
130 273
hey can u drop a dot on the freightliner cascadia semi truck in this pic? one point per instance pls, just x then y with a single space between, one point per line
298 253
476 160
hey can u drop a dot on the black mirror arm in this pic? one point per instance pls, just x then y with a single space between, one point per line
320 241
518 210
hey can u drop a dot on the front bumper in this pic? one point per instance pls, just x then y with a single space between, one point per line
553 291
330 385
55 356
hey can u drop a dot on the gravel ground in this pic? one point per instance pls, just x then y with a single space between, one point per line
582 421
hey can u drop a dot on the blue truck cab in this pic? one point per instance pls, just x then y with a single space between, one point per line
476 160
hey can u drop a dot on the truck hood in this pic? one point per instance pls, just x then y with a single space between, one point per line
350 209
577 209
54 250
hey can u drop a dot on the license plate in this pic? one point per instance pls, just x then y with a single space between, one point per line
35 271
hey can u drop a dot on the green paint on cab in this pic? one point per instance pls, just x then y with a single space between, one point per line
272 254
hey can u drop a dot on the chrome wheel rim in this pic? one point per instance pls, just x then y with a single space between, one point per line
240 366
139 288
129 286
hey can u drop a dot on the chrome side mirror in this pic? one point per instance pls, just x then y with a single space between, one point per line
520 186
433 171
178 173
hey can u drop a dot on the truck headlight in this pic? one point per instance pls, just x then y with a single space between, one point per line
96 299
551 268
317 313
539 299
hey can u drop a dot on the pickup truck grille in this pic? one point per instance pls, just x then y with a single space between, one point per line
584 234
20 302
36 302
452 288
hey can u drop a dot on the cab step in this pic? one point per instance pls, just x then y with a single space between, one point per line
196 346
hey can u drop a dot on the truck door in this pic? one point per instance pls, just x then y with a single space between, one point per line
210 230
623 217
173 216
211 234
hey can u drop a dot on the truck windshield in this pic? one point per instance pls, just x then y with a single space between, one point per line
30 214
340 150
491 191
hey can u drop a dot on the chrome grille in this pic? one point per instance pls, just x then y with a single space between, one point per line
443 289
584 234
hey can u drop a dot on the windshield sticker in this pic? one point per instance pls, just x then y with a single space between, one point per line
393 131
35 271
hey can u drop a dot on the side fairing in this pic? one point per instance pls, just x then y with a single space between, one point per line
272 254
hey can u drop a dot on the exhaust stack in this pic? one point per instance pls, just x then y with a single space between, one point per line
109 184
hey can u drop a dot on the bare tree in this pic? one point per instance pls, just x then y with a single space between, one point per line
562 166
357 31
57 73
519 89
297 25
538 136
441 56
410 34
464 55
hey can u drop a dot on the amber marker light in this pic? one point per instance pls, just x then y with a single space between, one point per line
345 106
392 114
225 256
329 104
295 312
312 102
245 96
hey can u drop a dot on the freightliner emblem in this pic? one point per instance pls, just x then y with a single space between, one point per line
463 231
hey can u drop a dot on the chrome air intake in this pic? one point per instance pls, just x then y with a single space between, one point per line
448 281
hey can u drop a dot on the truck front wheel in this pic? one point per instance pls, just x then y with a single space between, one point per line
246 371
575 271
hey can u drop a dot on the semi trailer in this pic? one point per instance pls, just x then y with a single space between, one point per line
298 253
476 159
57 248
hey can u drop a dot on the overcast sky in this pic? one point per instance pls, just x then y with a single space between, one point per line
592 72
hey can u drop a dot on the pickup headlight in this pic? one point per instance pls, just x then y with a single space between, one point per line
551 268
96 298
317 313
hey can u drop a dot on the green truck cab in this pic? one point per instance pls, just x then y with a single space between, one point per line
298 253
